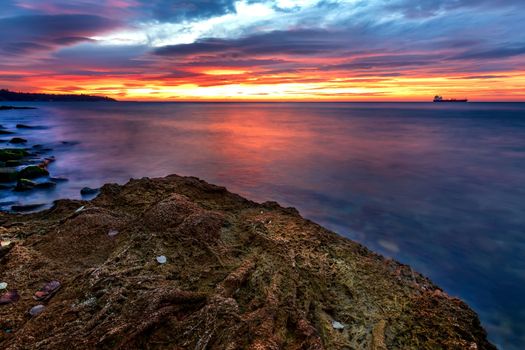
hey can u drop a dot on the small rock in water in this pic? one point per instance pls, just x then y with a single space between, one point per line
24 185
86 191
337 325
46 185
8 174
32 172
161 259
3 285
35 310
17 140
112 233
23 126
58 179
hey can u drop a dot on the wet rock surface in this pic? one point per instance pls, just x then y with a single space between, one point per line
87 191
17 140
24 169
234 275
33 172
5 108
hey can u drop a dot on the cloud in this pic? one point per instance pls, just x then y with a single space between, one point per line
430 8
502 52
488 76
92 56
387 61
368 47
24 34
294 42
177 10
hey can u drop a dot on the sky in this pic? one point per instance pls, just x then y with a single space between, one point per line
330 50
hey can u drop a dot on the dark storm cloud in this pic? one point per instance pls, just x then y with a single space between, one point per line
503 52
299 42
385 61
23 48
489 76
92 56
242 63
24 34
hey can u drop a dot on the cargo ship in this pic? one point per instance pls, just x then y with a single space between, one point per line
441 99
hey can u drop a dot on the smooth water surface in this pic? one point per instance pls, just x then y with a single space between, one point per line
439 187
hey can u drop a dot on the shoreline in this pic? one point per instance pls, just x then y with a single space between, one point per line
257 269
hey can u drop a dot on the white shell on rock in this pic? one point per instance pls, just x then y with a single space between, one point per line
161 259
112 233
337 325
35 310
3 285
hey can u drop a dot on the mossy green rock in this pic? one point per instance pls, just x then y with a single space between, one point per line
8 174
32 172
13 163
12 154
24 185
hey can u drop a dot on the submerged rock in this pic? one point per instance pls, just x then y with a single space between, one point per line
12 154
23 126
32 172
28 185
87 191
14 163
46 185
25 185
58 179
17 140
8 174
233 280
2 108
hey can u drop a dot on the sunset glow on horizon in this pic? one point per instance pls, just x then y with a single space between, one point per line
267 50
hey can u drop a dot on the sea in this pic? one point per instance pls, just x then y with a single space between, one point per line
440 187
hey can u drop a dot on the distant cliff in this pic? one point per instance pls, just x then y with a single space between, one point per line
6 95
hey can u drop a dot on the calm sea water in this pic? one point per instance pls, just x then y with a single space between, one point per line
439 187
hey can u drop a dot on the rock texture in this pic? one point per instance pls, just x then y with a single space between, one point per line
238 275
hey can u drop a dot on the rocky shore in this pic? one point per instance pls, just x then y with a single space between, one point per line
24 166
177 263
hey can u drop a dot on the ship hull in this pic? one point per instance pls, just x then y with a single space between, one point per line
449 101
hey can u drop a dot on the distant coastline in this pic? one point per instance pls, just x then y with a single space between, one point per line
7 95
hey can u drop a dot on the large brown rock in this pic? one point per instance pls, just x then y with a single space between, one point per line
239 275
